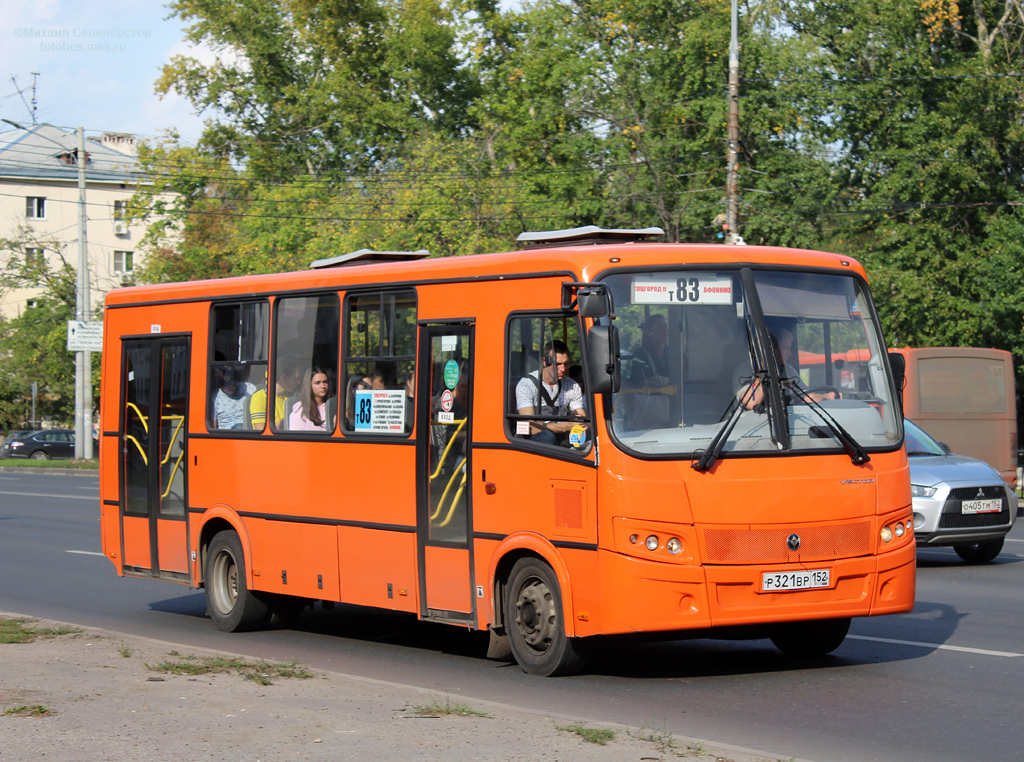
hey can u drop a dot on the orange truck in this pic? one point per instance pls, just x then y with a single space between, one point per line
555 444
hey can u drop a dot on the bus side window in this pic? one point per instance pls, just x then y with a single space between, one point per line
545 405
237 363
306 363
380 362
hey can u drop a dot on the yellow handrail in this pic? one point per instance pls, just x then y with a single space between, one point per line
459 471
142 452
142 418
455 499
181 420
444 455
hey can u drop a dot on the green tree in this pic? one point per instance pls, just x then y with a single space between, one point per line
34 344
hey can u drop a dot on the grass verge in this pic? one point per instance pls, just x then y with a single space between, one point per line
32 710
437 709
69 465
600 736
22 631
261 672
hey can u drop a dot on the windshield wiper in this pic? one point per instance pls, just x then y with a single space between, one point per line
858 455
709 456
778 423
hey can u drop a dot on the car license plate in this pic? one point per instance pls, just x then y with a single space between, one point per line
981 506
777 582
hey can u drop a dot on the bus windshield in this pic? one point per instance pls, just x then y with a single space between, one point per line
697 357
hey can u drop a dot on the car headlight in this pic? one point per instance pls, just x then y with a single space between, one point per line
917 490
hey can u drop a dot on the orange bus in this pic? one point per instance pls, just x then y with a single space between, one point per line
966 397
406 433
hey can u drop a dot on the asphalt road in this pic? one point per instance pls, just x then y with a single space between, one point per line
941 683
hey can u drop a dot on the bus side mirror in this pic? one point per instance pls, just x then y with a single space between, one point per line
604 371
898 365
592 303
590 300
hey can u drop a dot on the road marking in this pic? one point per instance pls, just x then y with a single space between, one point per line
84 552
38 494
980 651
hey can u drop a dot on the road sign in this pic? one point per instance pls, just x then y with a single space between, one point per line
85 336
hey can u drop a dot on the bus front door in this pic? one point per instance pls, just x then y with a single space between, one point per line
444 510
154 391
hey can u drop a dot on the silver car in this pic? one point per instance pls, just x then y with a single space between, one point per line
958 501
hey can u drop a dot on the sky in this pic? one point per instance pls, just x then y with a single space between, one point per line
107 87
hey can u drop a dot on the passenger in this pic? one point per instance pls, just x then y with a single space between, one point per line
648 403
552 393
309 413
229 401
286 379
357 382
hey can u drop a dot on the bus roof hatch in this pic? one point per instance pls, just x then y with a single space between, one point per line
588 234
367 256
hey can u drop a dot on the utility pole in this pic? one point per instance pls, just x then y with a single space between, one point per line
732 147
83 360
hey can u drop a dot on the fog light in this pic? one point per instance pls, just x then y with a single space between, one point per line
899 529
634 539
652 542
674 546
886 534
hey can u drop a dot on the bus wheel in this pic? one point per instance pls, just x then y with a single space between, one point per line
815 638
534 622
979 552
233 607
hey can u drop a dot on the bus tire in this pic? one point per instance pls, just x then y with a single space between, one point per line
815 638
979 552
232 606
535 624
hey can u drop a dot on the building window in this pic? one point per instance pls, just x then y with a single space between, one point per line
35 207
124 262
34 257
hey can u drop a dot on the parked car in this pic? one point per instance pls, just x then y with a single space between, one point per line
50 443
958 501
5 449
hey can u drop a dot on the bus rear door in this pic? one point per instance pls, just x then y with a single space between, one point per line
154 462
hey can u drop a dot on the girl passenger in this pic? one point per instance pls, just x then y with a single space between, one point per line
309 413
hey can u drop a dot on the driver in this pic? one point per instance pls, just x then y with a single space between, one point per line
550 391
752 395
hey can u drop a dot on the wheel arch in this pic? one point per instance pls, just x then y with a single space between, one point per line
527 545
217 519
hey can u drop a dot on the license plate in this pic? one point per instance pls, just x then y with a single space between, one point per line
981 506
776 582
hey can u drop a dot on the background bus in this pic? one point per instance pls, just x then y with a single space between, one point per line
965 397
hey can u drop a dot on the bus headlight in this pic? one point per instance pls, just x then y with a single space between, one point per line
886 534
674 546
652 542
899 529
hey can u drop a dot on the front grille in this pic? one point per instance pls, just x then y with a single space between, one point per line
966 521
768 545
971 493
954 518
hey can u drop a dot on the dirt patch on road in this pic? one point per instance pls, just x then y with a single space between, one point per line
94 696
